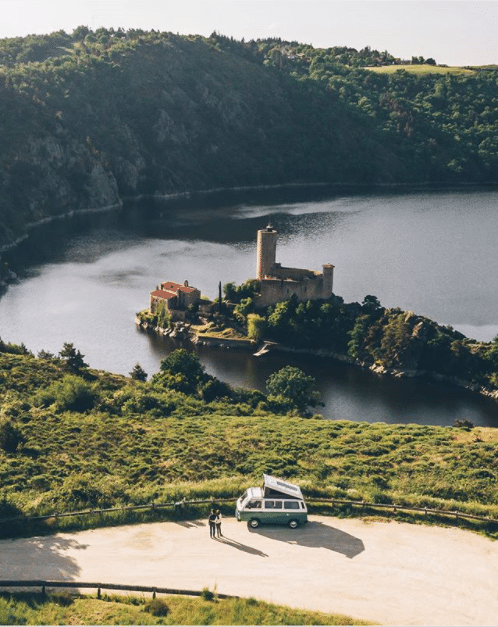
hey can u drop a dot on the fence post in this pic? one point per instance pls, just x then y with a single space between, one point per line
154 590
43 590
98 593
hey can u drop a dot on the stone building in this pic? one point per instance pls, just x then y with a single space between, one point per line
279 283
176 298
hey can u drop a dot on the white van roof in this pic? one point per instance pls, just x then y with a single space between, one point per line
279 485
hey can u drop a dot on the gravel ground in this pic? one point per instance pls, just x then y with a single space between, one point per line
386 572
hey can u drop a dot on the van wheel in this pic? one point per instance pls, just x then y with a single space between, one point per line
253 523
293 524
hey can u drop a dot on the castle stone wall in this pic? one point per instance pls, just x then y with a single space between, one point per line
280 283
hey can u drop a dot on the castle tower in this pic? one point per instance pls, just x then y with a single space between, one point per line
267 248
328 280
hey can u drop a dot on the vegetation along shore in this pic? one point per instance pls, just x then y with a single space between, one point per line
388 341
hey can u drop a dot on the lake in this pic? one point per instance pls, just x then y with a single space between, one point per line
431 252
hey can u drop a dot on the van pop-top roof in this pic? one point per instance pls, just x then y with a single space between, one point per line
279 488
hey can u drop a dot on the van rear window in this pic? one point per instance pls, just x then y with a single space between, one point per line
291 504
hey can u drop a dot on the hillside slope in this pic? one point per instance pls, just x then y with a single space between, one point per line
90 118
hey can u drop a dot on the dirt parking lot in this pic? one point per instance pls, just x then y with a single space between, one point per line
391 573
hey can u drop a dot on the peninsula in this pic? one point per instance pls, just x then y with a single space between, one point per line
292 309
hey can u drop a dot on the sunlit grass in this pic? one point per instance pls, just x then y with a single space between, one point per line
421 69
33 609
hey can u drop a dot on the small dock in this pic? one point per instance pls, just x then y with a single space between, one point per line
267 346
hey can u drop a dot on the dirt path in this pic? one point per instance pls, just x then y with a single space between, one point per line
396 574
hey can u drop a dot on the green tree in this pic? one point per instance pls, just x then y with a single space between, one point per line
138 373
73 358
256 326
181 370
294 385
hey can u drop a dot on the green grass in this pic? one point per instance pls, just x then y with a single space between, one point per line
421 69
60 609
142 443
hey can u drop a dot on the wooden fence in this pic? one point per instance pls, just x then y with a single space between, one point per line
179 505
83 585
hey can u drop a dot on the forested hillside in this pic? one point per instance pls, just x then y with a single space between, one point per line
91 117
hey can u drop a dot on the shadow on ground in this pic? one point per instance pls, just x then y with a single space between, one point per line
190 523
241 547
315 535
42 557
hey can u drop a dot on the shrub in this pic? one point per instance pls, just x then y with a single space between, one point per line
207 594
10 437
70 393
157 607
62 597
463 423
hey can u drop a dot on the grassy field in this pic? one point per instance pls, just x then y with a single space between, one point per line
422 69
63 609
107 441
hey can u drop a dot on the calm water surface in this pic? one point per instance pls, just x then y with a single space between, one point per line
432 253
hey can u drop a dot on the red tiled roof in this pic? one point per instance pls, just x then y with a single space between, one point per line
165 294
171 285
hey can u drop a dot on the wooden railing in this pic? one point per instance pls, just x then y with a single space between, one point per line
179 505
83 585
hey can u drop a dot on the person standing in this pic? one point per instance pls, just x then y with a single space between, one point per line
218 524
212 524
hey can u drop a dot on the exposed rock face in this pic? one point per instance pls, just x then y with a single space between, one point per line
161 117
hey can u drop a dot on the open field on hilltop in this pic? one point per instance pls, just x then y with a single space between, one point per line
422 69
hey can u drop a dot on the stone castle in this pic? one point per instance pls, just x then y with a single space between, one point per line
279 283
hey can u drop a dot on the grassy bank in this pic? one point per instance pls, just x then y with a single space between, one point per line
63 609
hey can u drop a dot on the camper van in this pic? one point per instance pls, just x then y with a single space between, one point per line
278 502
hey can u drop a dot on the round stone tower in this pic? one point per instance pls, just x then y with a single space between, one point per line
328 280
267 249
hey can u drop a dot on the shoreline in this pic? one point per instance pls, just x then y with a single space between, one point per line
188 194
393 372
184 332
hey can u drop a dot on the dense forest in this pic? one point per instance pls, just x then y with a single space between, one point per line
92 117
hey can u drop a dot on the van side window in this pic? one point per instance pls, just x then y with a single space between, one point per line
273 504
254 505
291 504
